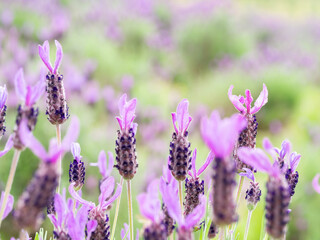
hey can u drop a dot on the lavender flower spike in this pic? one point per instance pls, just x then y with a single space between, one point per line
194 187
9 205
3 109
57 109
315 183
179 154
77 169
247 137
150 208
253 193
126 156
98 212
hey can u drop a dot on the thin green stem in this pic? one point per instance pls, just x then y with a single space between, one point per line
114 224
130 209
58 132
12 172
248 225
239 190
180 195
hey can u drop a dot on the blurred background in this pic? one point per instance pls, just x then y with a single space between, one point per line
161 52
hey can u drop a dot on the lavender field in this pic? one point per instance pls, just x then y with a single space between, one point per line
207 110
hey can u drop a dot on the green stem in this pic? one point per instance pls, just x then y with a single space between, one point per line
248 225
58 132
180 196
12 172
130 209
114 224
239 191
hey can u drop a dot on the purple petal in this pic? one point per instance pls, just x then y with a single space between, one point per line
91 227
31 142
249 174
124 232
113 198
75 149
44 53
54 221
3 96
261 100
294 161
121 105
72 134
137 236
110 164
285 148
174 120
183 117
36 92
59 56
76 196
106 189
221 135
248 100
102 163
206 164
9 205
315 183
20 85
196 215
8 146
129 115
60 207
235 100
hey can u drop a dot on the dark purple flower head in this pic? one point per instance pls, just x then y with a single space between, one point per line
243 104
9 205
194 174
3 96
248 173
170 197
315 183
77 169
28 94
221 135
181 118
44 53
127 113
8 146
54 151
104 169
149 202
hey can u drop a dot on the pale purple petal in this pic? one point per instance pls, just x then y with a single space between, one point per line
206 164
59 56
102 163
113 198
261 100
8 146
44 53
72 133
174 121
53 220
76 196
20 85
106 189
294 161
137 236
31 142
285 148
315 183
196 215
110 163
9 205
249 174
248 100
76 149
124 232
129 115
3 96
91 227
235 100
36 92
60 207
183 117
121 105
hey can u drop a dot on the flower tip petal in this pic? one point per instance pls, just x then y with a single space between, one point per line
315 183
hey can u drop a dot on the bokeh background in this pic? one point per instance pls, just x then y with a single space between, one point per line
161 52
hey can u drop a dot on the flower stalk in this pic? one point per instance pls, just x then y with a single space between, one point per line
59 163
116 213
130 208
248 225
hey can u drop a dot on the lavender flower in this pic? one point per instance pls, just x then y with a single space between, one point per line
57 109
278 191
247 137
150 207
41 188
28 95
180 153
126 156
220 136
3 109
185 224
253 193
105 170
315 183
292 176
193 185
77 169
98 212
9 205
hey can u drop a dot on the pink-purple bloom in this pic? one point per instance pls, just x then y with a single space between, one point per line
28 94
248 173
194 174
127 113
9 205
315 183
221 135
243 104
181 118
104 168
44 53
